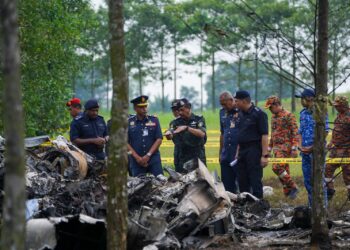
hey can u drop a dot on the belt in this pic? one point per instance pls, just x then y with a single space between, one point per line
249 144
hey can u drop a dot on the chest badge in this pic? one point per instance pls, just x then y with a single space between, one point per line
150 124
132 123
232 124
145 132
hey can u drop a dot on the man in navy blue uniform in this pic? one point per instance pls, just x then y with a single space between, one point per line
89 132
144 138
253 144
228 140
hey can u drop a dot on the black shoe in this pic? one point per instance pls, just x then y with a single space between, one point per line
293 193
330 194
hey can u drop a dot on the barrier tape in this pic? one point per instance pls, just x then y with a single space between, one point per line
273 160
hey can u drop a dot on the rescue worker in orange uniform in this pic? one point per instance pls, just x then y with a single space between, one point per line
339 146
283 143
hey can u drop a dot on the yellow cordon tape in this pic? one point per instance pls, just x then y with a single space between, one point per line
273 160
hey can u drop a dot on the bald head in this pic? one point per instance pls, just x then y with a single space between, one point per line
227 101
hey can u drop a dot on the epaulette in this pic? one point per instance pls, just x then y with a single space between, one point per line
79 117
153 116
257 109
131 116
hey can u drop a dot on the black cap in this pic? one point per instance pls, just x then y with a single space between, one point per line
242 94
173 105
306 93
140 101
91 104
183 102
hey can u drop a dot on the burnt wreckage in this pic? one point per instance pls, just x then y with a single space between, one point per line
66 207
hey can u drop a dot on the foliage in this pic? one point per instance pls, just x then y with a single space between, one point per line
50 35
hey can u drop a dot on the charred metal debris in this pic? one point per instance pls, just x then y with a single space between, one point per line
66 208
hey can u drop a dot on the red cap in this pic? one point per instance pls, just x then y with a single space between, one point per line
73 101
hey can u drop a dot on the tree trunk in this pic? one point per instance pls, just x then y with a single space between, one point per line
107 88
74 85
213 81
320 237
13 225
92 87
293 106
239 73
334 69
201 75
162 74
256 70
117 204
280 89
294 79
175 66
139 67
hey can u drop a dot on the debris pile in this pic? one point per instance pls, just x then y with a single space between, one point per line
66 208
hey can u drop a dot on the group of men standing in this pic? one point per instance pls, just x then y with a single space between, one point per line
244 143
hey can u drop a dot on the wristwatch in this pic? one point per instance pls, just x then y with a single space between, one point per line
266 156
186 128
149 154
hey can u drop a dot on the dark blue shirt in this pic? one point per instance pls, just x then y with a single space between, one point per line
87 128
143 133
229 132
252 125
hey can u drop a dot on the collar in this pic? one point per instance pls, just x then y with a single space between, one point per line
279 113
232 111
86 117
144 119
249 110
306 110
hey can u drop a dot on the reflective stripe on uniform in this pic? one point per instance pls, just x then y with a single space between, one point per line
283 174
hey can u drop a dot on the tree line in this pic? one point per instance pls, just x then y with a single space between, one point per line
267 47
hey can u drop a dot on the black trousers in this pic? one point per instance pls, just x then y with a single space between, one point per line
229 177
250 172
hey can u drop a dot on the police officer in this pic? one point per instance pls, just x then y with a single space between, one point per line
253 144
283 143
89 132
74 107
228 140
190 132
339 145
144 138
306 136
175 111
